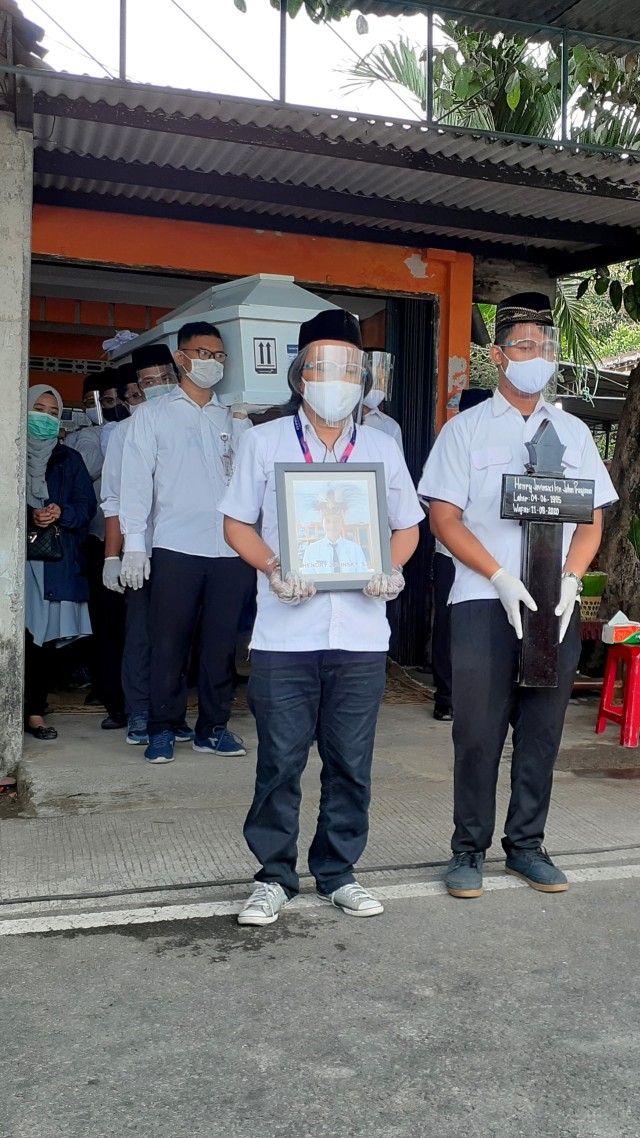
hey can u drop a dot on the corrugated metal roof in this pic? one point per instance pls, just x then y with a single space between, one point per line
615 180
599 17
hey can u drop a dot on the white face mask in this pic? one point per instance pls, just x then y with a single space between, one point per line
205 373
374 398
160 389
92 416
530 376
332 400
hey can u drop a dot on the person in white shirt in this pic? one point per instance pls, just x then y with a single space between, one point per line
443 578
463 480
153 375
176 464
318 658
106 609
381 366
334 553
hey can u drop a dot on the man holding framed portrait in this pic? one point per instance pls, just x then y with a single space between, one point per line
317 479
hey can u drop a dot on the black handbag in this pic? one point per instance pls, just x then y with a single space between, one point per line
44 544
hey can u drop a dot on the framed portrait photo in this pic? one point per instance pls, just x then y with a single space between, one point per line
332 522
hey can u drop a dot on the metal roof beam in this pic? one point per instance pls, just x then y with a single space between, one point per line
214 215
303 143
118 172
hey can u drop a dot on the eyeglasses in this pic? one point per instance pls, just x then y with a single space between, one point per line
329 369
546 348
204 354
109 400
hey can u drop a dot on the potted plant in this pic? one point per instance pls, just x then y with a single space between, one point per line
593 588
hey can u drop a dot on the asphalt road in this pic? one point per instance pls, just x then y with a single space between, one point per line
514 1015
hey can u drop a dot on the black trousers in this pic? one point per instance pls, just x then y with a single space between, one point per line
486 698
293 694
39 670
443 577
136 660
184 588
107 613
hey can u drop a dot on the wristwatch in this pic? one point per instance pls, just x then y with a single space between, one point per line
577 579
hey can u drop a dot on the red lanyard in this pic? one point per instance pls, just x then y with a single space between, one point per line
304 446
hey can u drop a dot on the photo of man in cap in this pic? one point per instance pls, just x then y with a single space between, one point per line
463 481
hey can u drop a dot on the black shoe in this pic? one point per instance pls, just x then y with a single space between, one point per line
443 712
92 700
113 722
43 734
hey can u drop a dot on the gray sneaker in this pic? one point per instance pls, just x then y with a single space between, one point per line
464 875
354 900
537 869
264 904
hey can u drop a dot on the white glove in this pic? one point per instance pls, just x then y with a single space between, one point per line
512 594
293 589
240 410
385 585
136 568
568 598
111 574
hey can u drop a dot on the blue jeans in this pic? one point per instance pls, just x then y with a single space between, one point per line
289 694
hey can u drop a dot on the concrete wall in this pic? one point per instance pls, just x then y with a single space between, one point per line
493 279
16 179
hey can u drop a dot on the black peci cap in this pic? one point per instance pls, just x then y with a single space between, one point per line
524 308
151 355
331 324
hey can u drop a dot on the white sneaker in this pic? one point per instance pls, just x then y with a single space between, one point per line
354 900
264 904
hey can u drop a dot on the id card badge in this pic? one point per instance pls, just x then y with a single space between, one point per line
227 457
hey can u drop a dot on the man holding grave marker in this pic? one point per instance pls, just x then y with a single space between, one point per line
463 480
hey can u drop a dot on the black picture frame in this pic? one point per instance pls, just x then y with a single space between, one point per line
309 496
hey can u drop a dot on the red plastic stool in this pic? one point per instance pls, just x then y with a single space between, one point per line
627 713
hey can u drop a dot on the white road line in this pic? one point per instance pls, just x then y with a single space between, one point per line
155 914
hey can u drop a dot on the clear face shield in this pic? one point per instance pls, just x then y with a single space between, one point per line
156 381
93 408
380 366
333 378
530 356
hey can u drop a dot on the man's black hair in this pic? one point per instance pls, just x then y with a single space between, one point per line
196 328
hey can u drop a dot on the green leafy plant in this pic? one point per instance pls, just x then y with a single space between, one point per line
594 584
621 294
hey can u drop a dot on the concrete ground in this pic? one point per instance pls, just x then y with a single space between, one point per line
513 1015
101 820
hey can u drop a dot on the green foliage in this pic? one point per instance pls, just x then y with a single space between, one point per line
594 584
504 83
621 286
577 340
317 10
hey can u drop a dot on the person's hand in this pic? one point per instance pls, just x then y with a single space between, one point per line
385 585
136 568
292 589
240 410
512 594
111 574
45 515
565 607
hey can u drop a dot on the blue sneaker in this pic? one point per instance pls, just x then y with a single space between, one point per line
184 733
464 874
537 869
137 731
160 749
222 742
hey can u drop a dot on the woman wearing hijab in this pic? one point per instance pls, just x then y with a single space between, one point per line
60 491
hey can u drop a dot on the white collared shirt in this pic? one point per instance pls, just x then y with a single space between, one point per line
112 477
173 473
466 465
377 418
319 556
345 619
